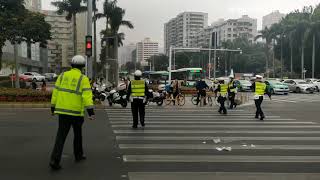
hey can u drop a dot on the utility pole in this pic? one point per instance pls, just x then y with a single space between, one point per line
89 33
209 60
215 56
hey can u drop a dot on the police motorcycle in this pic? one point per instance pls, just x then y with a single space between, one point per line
100 92
156 97
118 96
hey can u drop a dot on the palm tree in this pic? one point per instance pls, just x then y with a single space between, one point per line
313 31
266 34
116 21
72 8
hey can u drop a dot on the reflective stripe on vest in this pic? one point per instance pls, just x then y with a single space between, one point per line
137 88
260 88
77 91
223 89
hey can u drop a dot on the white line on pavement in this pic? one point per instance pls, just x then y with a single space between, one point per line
186 131
217 159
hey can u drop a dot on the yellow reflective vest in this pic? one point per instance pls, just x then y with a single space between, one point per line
138 88
232 88
260 88
72 93
223 89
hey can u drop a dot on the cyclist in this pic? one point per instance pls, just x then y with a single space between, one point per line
176 89
201 87
222 97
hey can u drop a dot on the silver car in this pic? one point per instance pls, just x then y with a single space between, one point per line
299 86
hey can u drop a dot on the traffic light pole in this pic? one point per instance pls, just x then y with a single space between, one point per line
89 33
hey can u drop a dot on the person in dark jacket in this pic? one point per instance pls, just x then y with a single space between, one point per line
201 87
34 84
232 91
137 92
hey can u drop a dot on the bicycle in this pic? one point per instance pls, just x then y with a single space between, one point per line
180 99
208 98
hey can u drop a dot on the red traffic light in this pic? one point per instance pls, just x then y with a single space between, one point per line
89 46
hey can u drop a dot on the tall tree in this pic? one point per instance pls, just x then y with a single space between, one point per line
268 36
72 8
10 16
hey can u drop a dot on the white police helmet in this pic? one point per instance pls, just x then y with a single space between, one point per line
138 73
78 60
259 77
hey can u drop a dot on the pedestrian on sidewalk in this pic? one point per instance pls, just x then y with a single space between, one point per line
260 89
137 92
222 91
71 95
43 85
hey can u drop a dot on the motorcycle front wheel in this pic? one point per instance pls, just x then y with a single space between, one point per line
160 102
124 104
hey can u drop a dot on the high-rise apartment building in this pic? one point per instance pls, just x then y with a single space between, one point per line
272 18
179 31
227 30
60 48
146 49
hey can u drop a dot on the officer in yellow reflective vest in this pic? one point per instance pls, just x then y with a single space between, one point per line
222 97
259 89
137 92
71 95
232 91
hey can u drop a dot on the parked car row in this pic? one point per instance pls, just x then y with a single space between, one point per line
34 76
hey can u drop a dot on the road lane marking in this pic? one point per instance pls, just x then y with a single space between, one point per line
214 146
212 122
261 126
206 138
187 131
220 158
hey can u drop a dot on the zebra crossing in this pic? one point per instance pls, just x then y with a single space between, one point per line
296 98
191 143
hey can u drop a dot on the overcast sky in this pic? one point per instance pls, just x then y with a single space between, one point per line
149 16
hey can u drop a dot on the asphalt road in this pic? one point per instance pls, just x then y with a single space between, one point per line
176 144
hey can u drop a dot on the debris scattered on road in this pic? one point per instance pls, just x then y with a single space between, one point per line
227 148
244 145
217 140
253 146
219 149
204 142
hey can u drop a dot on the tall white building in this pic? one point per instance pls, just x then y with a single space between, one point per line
125 53
272 18
146 49
180 30
227 30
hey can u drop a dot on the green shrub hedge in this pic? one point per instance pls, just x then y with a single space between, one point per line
8 84
23 95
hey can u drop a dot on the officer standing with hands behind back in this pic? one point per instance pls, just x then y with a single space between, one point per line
259 88
71 95
137 92
232 91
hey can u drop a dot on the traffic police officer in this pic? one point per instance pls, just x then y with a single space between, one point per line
222 97
259 89
71 95
232 90
137 92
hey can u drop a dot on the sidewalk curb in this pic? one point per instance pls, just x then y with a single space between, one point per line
34 106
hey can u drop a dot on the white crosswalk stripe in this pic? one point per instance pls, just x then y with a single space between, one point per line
295 98
203 137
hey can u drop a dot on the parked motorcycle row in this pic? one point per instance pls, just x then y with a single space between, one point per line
118 95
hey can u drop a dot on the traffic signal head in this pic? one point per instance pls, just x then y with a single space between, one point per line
89 46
